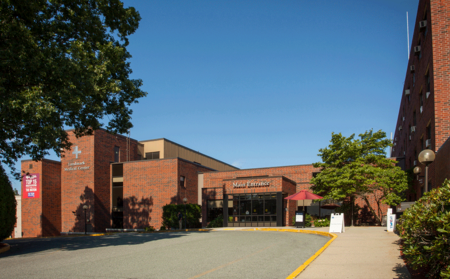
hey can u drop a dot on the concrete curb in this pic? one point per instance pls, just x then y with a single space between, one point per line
4 247
185 230
313 257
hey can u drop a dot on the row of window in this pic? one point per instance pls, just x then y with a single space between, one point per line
148 155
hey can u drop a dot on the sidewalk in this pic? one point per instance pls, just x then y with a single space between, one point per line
360 252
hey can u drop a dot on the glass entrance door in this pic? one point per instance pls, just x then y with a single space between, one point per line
253 210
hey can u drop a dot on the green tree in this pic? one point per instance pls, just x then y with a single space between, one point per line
353 168
7 206
63 63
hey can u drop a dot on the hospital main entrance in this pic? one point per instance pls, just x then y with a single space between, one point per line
249 209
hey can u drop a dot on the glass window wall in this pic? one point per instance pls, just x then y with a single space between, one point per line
251 210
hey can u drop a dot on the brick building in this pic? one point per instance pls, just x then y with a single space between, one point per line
111 181
424 117
123 182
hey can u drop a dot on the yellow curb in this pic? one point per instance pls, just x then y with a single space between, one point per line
97 234
5 248
313 257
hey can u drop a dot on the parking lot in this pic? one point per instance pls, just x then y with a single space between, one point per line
219 254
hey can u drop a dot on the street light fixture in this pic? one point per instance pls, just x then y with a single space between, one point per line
426 157
85 207
185 215
417 170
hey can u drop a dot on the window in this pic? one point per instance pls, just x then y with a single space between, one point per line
420 52
152 155
421 99
182 180
409 95
116 153
422 146
414 118
429 131
414 79
425 31
428 82
30 166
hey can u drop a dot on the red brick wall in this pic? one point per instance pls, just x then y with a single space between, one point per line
148 185
42 216
441 165
104 144
32 208
77 186
91 187
51 198
440 20
190 172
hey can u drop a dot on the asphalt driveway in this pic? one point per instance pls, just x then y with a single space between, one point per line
220 254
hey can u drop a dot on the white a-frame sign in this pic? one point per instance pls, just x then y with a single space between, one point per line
337 222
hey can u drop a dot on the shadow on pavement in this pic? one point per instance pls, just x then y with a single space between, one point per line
22 247
402 272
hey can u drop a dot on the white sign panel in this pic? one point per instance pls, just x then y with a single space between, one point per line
390 222
299 217
337 223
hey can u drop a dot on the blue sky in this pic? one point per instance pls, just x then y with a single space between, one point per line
265 83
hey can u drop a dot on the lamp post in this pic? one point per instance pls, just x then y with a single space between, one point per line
426 157
85 207
185 215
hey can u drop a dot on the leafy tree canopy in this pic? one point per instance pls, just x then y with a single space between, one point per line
63 63
7 206
352 168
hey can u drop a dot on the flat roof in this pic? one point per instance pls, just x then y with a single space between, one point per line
265 168
190 150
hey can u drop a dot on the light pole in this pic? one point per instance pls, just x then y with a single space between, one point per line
85 207
185 215
426 157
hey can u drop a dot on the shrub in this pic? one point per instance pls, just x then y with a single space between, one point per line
170 211
163 228
150 229
216 223
7 206
325 222
425 230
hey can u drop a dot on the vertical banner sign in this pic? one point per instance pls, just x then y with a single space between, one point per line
337 223
30 189
391 222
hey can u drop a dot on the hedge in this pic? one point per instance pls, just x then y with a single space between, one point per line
170 212
425 230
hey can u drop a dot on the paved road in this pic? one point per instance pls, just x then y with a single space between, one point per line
222 254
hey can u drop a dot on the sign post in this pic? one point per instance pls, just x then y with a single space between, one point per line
299 219
337 223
